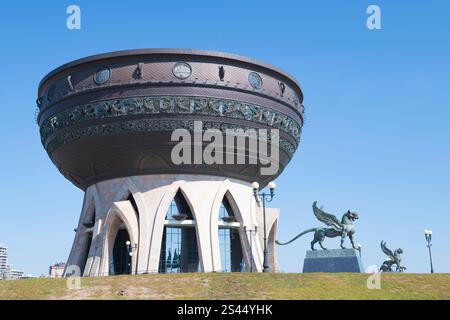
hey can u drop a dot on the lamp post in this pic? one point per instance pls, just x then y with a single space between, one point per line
264 197
251 232
130 249
359 249
428 234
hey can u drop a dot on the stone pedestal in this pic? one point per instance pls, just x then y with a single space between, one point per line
335 260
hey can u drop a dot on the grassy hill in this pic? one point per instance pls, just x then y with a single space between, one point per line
234 286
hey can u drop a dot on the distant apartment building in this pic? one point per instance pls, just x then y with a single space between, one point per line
56 270
14 274
6 271
3 258
4 268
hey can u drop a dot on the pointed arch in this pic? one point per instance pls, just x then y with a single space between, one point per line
166 200
179 246
159 222
217 237
120 216
225 190
179 208
130 192
226 213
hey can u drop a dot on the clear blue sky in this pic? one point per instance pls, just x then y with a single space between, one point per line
376 138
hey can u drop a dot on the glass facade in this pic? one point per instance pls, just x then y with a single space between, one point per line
231 256
179 251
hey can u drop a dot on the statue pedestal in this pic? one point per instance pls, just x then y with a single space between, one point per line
335 260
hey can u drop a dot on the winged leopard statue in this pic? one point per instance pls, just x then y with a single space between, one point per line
393 258
343 228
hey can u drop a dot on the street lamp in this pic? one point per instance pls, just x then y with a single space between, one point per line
251 232
264 197
359 249
130 249
428 234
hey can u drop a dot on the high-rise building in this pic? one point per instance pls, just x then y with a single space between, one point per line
6 271
3 260
3 257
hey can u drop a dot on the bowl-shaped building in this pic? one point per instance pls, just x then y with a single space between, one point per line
108 121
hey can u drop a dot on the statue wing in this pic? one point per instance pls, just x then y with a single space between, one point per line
328 219
387 251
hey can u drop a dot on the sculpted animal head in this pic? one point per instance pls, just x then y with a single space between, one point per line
398 252
349 215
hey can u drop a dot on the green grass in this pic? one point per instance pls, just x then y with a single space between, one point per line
234 286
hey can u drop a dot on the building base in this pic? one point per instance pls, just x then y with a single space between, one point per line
171 223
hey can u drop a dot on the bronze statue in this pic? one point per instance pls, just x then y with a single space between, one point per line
393 258
336 228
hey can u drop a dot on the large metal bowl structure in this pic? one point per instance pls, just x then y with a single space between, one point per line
111 115
106 122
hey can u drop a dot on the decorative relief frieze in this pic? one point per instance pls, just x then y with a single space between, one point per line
170 105
149 125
